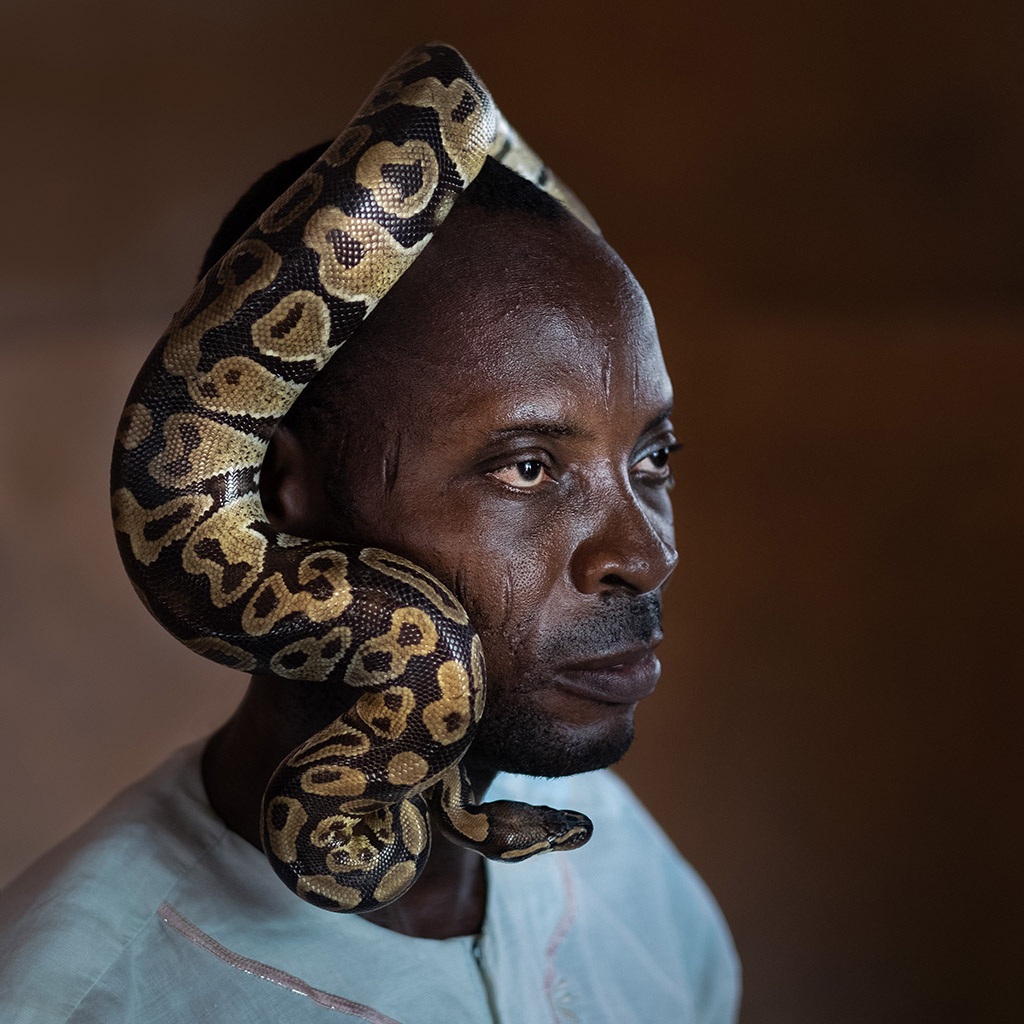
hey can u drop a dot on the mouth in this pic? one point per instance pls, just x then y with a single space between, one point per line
619 677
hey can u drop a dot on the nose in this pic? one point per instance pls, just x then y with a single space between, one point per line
628 546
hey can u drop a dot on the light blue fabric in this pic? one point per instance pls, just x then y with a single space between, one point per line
155 913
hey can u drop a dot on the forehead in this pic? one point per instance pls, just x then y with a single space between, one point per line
517 313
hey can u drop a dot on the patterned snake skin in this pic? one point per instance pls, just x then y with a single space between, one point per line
346 818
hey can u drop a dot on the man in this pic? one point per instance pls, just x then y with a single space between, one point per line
501 419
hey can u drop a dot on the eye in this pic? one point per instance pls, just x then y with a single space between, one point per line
655 464
525 475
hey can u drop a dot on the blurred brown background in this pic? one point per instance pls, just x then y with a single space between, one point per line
824 203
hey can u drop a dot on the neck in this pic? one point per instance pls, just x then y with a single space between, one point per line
448 899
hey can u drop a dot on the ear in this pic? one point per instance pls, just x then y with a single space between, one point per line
291 487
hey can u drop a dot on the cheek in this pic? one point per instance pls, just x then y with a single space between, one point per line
663 518
504 561
503 578
496 553
503 590
512 595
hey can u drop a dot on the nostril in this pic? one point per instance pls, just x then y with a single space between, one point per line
614 580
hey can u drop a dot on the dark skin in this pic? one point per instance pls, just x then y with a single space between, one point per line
505 425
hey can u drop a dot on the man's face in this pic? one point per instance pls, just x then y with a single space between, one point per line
508 430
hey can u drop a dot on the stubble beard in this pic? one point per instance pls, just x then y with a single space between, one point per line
518 736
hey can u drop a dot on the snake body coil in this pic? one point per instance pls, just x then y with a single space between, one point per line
346 817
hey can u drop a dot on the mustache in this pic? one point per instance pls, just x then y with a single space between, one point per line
624 623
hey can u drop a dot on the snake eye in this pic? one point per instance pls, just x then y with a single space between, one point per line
524 475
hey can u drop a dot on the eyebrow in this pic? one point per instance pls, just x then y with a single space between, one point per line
658 419
544 428
549 428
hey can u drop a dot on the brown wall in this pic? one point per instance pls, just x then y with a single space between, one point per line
824 203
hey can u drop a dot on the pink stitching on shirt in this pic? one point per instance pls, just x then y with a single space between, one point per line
557 937
185 927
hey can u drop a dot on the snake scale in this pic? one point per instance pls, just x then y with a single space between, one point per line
347 817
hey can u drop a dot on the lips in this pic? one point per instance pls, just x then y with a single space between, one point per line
620 677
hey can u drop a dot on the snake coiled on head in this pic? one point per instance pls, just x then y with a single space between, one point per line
346 818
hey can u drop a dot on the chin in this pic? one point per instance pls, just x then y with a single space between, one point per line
530 742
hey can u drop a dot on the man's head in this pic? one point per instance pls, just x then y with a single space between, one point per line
502 419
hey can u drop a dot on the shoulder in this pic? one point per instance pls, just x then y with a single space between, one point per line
77 912
636 892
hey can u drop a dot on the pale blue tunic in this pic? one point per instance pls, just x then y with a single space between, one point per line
155 913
